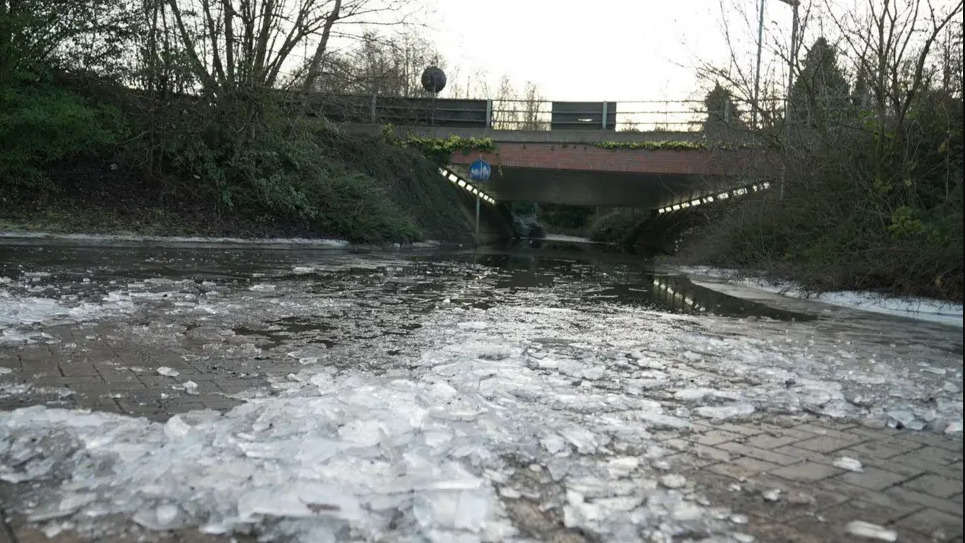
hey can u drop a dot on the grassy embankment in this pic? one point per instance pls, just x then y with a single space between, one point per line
81 155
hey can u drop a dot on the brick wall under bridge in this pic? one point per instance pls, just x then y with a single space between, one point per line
586 174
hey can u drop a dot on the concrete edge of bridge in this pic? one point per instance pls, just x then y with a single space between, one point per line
572 137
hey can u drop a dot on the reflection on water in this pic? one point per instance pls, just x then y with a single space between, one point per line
561 273
283 330
592 273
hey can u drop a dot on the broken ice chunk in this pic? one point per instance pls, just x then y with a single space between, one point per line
190 387
622 467
847 463
902 418
167 513
460 510
686 511
161 518
510 493
726 411
168 372
673 481
176 427
871 531
771 495
583 439
594 373
693 394
300 499
553 443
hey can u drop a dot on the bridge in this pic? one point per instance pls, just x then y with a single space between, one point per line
652 155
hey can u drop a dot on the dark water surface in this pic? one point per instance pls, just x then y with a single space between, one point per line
578 273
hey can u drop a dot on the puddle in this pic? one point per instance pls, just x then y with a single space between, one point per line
288 329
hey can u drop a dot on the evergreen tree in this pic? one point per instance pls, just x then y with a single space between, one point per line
722 111
821 89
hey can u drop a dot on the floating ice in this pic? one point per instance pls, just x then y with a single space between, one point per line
870 531
168 372
918 308
20 312
469 402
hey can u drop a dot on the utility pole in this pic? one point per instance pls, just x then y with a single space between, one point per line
791 57
757 71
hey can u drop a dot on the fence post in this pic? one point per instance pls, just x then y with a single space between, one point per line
373 109
726 111
489 114
604 114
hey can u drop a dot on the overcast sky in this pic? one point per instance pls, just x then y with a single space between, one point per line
623 50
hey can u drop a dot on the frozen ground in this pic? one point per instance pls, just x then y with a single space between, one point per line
917 308
439 398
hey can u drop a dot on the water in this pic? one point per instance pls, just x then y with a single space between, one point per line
574 273
428 395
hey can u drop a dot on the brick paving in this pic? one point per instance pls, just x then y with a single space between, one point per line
911 481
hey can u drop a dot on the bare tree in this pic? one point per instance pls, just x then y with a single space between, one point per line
380 64
892 43
533 114
234 44
514 109
738 74
89 35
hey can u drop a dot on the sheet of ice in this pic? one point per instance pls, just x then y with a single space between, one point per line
112 239
432 448
420 455
175 240
918 308
20 315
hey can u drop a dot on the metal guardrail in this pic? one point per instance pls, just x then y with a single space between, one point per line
529 115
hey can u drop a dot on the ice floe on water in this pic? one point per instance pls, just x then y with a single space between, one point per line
18 313
174 240
444 445
918 308
534 402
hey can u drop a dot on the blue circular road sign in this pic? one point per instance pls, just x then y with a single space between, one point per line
480 170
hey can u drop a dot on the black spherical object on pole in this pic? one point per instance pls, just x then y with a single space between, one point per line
433 79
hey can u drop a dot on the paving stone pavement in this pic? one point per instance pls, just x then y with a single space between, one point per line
911 481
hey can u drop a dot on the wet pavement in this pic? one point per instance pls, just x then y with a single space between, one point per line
558 393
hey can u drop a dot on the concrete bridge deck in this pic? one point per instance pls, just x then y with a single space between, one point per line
584 174
572 167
